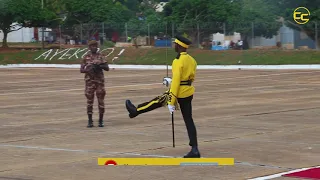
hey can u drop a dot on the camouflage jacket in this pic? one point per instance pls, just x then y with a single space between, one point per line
93 65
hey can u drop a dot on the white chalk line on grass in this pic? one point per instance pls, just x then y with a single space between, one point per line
282 174
146 67
133 85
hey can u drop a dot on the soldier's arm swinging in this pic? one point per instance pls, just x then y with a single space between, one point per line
175 83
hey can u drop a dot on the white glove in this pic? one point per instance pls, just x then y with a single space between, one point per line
166 81
171 108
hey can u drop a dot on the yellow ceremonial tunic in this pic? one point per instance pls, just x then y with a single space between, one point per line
183 69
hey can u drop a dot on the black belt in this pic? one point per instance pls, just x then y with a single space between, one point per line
186 83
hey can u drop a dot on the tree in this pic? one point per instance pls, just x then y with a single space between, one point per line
15 15
217 16
94 13
146 19
148 22
198 17
286 9
254 18
59 9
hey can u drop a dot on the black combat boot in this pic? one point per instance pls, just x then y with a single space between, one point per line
90 122
101 120
131 109
194 153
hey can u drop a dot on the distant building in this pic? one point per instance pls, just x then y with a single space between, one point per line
289 39
26 35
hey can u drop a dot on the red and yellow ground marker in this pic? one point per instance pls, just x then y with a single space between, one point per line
166 161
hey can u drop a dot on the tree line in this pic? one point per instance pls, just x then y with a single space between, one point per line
266 16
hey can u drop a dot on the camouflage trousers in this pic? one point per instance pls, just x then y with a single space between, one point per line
90 90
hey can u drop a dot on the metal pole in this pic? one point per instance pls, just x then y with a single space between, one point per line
252 40
172 124
126 32
81 35
316 38
172 29
60 36
149 42
224 33
22 35
198 32
42 28
166 46
103 35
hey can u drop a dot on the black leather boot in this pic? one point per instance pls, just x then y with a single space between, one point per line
131 109
194 153
101 120
90 122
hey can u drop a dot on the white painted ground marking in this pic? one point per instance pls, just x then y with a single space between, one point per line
133 85
281 174
82 89
21 105
253 76
215 84
115 153
162 67
84 151
72 79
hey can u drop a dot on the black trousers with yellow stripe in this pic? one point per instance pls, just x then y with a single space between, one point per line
155 103
186 110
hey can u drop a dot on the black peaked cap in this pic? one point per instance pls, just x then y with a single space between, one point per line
183 39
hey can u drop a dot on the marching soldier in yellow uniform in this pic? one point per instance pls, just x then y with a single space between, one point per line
180 93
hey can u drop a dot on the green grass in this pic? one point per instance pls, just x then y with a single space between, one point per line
161 56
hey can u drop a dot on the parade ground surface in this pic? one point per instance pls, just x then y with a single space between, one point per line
267 120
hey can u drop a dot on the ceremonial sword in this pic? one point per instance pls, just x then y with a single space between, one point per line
172 116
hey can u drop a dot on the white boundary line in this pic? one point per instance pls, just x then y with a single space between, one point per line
75 79
138 154
85 151
79 89
143 75
283 173
146 67
148 84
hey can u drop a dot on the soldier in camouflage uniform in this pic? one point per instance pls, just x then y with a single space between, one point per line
93 65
